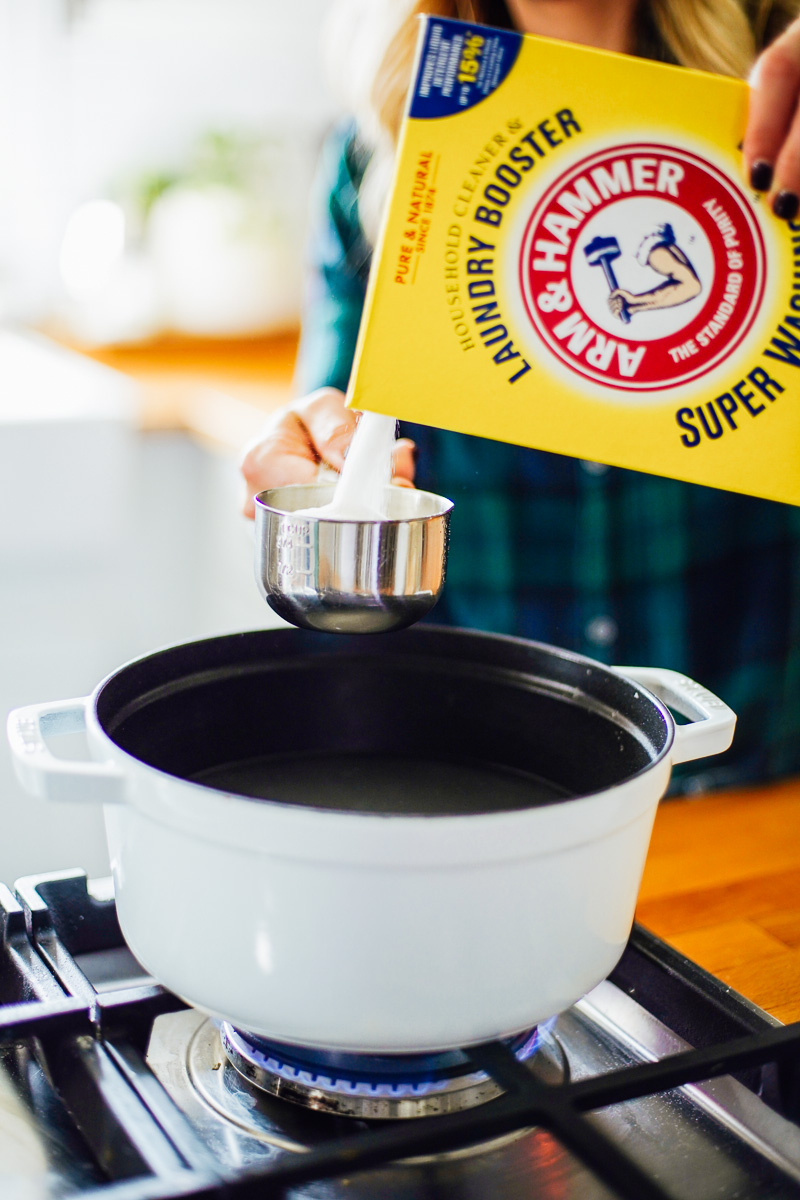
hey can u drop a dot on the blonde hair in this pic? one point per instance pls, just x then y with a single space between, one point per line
722 36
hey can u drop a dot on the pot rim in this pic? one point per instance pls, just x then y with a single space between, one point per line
289 829
425 630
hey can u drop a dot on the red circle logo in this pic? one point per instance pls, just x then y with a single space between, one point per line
642 267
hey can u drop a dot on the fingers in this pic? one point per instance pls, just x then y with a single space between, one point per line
404 462
772 140
282 455
329 424
298 438
295 441
785 195
617 302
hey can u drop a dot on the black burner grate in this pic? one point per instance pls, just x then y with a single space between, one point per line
94 1041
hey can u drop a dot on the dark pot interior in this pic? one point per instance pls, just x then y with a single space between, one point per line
428 720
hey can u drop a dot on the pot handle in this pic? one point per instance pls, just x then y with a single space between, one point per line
710 730
41 773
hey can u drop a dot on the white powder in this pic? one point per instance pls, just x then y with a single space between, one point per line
360 491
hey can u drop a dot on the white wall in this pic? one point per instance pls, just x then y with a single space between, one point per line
112 543
178 568
94 91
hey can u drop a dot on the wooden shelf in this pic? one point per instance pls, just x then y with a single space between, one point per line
220 389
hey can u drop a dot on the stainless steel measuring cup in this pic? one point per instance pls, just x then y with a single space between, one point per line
343 576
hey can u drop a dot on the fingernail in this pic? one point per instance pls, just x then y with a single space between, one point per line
761 176
785 205
415 454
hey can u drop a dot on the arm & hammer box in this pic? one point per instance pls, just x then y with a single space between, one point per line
571 260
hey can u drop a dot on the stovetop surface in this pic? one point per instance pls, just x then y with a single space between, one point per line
111 1087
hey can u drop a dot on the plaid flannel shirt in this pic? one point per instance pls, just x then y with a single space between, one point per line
621 566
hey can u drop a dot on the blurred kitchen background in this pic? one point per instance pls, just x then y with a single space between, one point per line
156 158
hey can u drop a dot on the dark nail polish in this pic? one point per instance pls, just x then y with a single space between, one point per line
785 205
761 176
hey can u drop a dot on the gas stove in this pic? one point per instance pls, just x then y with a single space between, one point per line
660 1083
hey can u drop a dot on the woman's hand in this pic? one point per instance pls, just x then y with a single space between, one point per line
772 140
309 433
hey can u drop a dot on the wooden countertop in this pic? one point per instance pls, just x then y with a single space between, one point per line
722 885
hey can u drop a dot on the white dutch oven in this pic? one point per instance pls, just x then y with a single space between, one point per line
362 931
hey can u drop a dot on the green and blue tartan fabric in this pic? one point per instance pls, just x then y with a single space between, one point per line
621 566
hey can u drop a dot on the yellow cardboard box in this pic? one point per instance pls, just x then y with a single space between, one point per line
571 260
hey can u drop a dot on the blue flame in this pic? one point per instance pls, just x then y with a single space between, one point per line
268 1057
